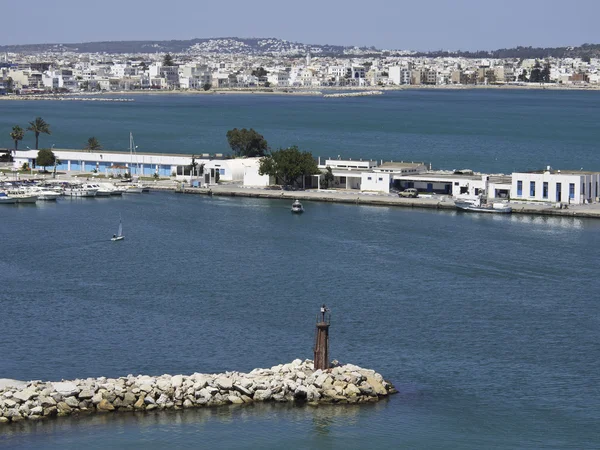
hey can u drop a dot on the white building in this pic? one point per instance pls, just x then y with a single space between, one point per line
567 186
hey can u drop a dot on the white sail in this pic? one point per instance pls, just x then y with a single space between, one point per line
120 232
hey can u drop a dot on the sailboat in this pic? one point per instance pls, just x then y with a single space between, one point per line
119 236
136 188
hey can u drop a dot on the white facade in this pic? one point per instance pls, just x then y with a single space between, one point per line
574 187
251 176
375 182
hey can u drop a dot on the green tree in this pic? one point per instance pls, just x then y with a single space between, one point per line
288 164
38 126
193 165
246 142
45 158
328 178
522 76
206 86
260 72
545 74
536 73
92 144
17 134
267 84
10 85
168 60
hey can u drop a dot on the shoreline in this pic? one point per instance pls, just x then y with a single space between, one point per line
319 91
296 382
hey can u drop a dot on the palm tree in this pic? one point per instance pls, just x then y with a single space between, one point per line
38 126
17 134
93 144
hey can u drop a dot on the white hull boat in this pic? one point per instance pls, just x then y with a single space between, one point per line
119 236
7 199
134 190
493 208
25 198
80 192
297 207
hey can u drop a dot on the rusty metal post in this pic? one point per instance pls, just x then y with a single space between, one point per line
321 349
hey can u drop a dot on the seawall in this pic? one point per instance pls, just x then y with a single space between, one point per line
362 198
294 382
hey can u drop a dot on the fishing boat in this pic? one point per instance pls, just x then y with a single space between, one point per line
119 236
297 207
477 205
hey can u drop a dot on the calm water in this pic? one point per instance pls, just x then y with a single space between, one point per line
492 131
489 326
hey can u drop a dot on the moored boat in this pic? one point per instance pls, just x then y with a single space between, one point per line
6 199
478 206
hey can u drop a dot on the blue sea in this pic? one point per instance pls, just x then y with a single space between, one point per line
489 326
494 131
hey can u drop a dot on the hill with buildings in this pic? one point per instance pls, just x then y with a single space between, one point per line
280 47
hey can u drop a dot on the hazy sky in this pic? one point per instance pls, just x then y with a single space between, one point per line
399 24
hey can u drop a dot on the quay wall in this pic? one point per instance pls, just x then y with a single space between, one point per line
361 198
294 382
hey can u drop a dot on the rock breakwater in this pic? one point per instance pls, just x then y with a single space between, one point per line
293 382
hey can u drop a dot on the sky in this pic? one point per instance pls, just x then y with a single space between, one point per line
400 24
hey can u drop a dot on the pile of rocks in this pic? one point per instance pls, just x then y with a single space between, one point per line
293 382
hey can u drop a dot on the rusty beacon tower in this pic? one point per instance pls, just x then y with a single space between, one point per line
321 349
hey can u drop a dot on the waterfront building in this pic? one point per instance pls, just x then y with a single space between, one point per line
556 186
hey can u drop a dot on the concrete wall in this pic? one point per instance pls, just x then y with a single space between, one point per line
377 182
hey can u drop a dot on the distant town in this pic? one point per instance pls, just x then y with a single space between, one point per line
218 64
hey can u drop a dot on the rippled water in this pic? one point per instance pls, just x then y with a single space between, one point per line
486 130
488 325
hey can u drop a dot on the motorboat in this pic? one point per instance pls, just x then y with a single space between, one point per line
101 191
134 189
43 194
297 207
80 191
6 199
477 205
24 197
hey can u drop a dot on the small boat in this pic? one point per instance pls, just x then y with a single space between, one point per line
476 205
101 191
297 207
134 189
23 197
7 199
43 194
119 236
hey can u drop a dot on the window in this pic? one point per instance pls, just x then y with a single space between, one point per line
343 180
221 171
380 179
369 178
545 190
532 188
582 188
519 188
571 190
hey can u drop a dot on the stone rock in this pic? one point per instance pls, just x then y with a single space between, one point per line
109 396
146 388
148 400
10 403
72 402
376 385
4 419
187 403
351 390
224 383
163 384
105 405
24 409
128 399
63 408
162 399
242 390
25 394
38 410
65 388
50 411
85 394
320 380
263 395
235 399
151 407
118 402
97 398
177 381
140 403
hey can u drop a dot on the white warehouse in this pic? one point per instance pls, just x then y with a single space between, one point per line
556 186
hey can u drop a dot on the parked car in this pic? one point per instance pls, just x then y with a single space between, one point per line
409 193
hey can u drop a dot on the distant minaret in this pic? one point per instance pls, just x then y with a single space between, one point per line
308 61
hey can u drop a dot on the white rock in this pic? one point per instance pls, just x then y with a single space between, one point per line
25 394
224 383
163 384
164 398
65 388
263 395
38 410
177 381
10 403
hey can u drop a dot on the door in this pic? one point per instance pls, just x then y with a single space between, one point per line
558 192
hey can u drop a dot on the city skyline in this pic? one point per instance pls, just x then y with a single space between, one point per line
465 25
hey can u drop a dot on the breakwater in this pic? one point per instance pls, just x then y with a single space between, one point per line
353 94
293 382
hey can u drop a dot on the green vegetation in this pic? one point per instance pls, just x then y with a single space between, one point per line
38 126
17 134
206 86
260 72
168 60
288 164
328 178
246 142
45 157
92 144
